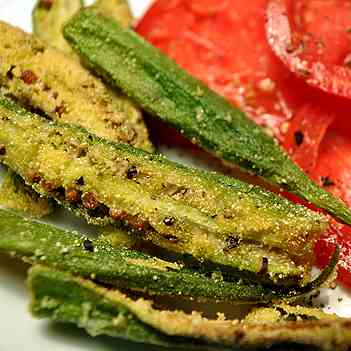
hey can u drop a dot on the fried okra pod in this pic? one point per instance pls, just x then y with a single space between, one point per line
206 215
63 298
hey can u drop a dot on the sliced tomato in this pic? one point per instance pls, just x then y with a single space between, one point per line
223 43
313 39
337 235
306 131
333 169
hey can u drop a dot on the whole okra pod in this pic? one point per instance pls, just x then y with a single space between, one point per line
166 91
97 259
64 298
204 214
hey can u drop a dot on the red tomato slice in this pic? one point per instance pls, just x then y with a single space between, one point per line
207 7
228 50
313 39
338 235
306 131
333 169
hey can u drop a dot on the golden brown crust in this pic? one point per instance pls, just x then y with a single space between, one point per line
45 79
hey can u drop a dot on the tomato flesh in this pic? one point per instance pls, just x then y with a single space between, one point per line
305 134
313 39
337 235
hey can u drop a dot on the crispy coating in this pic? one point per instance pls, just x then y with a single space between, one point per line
48 21
16 195
90 301
185 210
49 81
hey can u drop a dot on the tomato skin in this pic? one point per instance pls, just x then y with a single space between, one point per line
305 134
218 49
334 163
312 38
337 235
226 47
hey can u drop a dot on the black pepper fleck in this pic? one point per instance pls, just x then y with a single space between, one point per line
88 245
326 181
9 74
233 242
132 172
100 211
264 267
169 221
2 150
60 193
80 181
298 137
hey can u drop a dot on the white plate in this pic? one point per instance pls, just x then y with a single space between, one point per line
18 331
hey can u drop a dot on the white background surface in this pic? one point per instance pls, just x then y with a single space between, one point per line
18 331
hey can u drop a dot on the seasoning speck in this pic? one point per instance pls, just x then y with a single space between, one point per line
46 4
264 267
233 242
298 137
88 245
132 172
326 181
80 181
169 221
73 195
89 201
2 150
29 77
60 110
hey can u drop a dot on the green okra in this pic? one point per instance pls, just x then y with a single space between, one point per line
85 307
49 18
206 215
15 194
64 298
39 243
47 80
166 91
